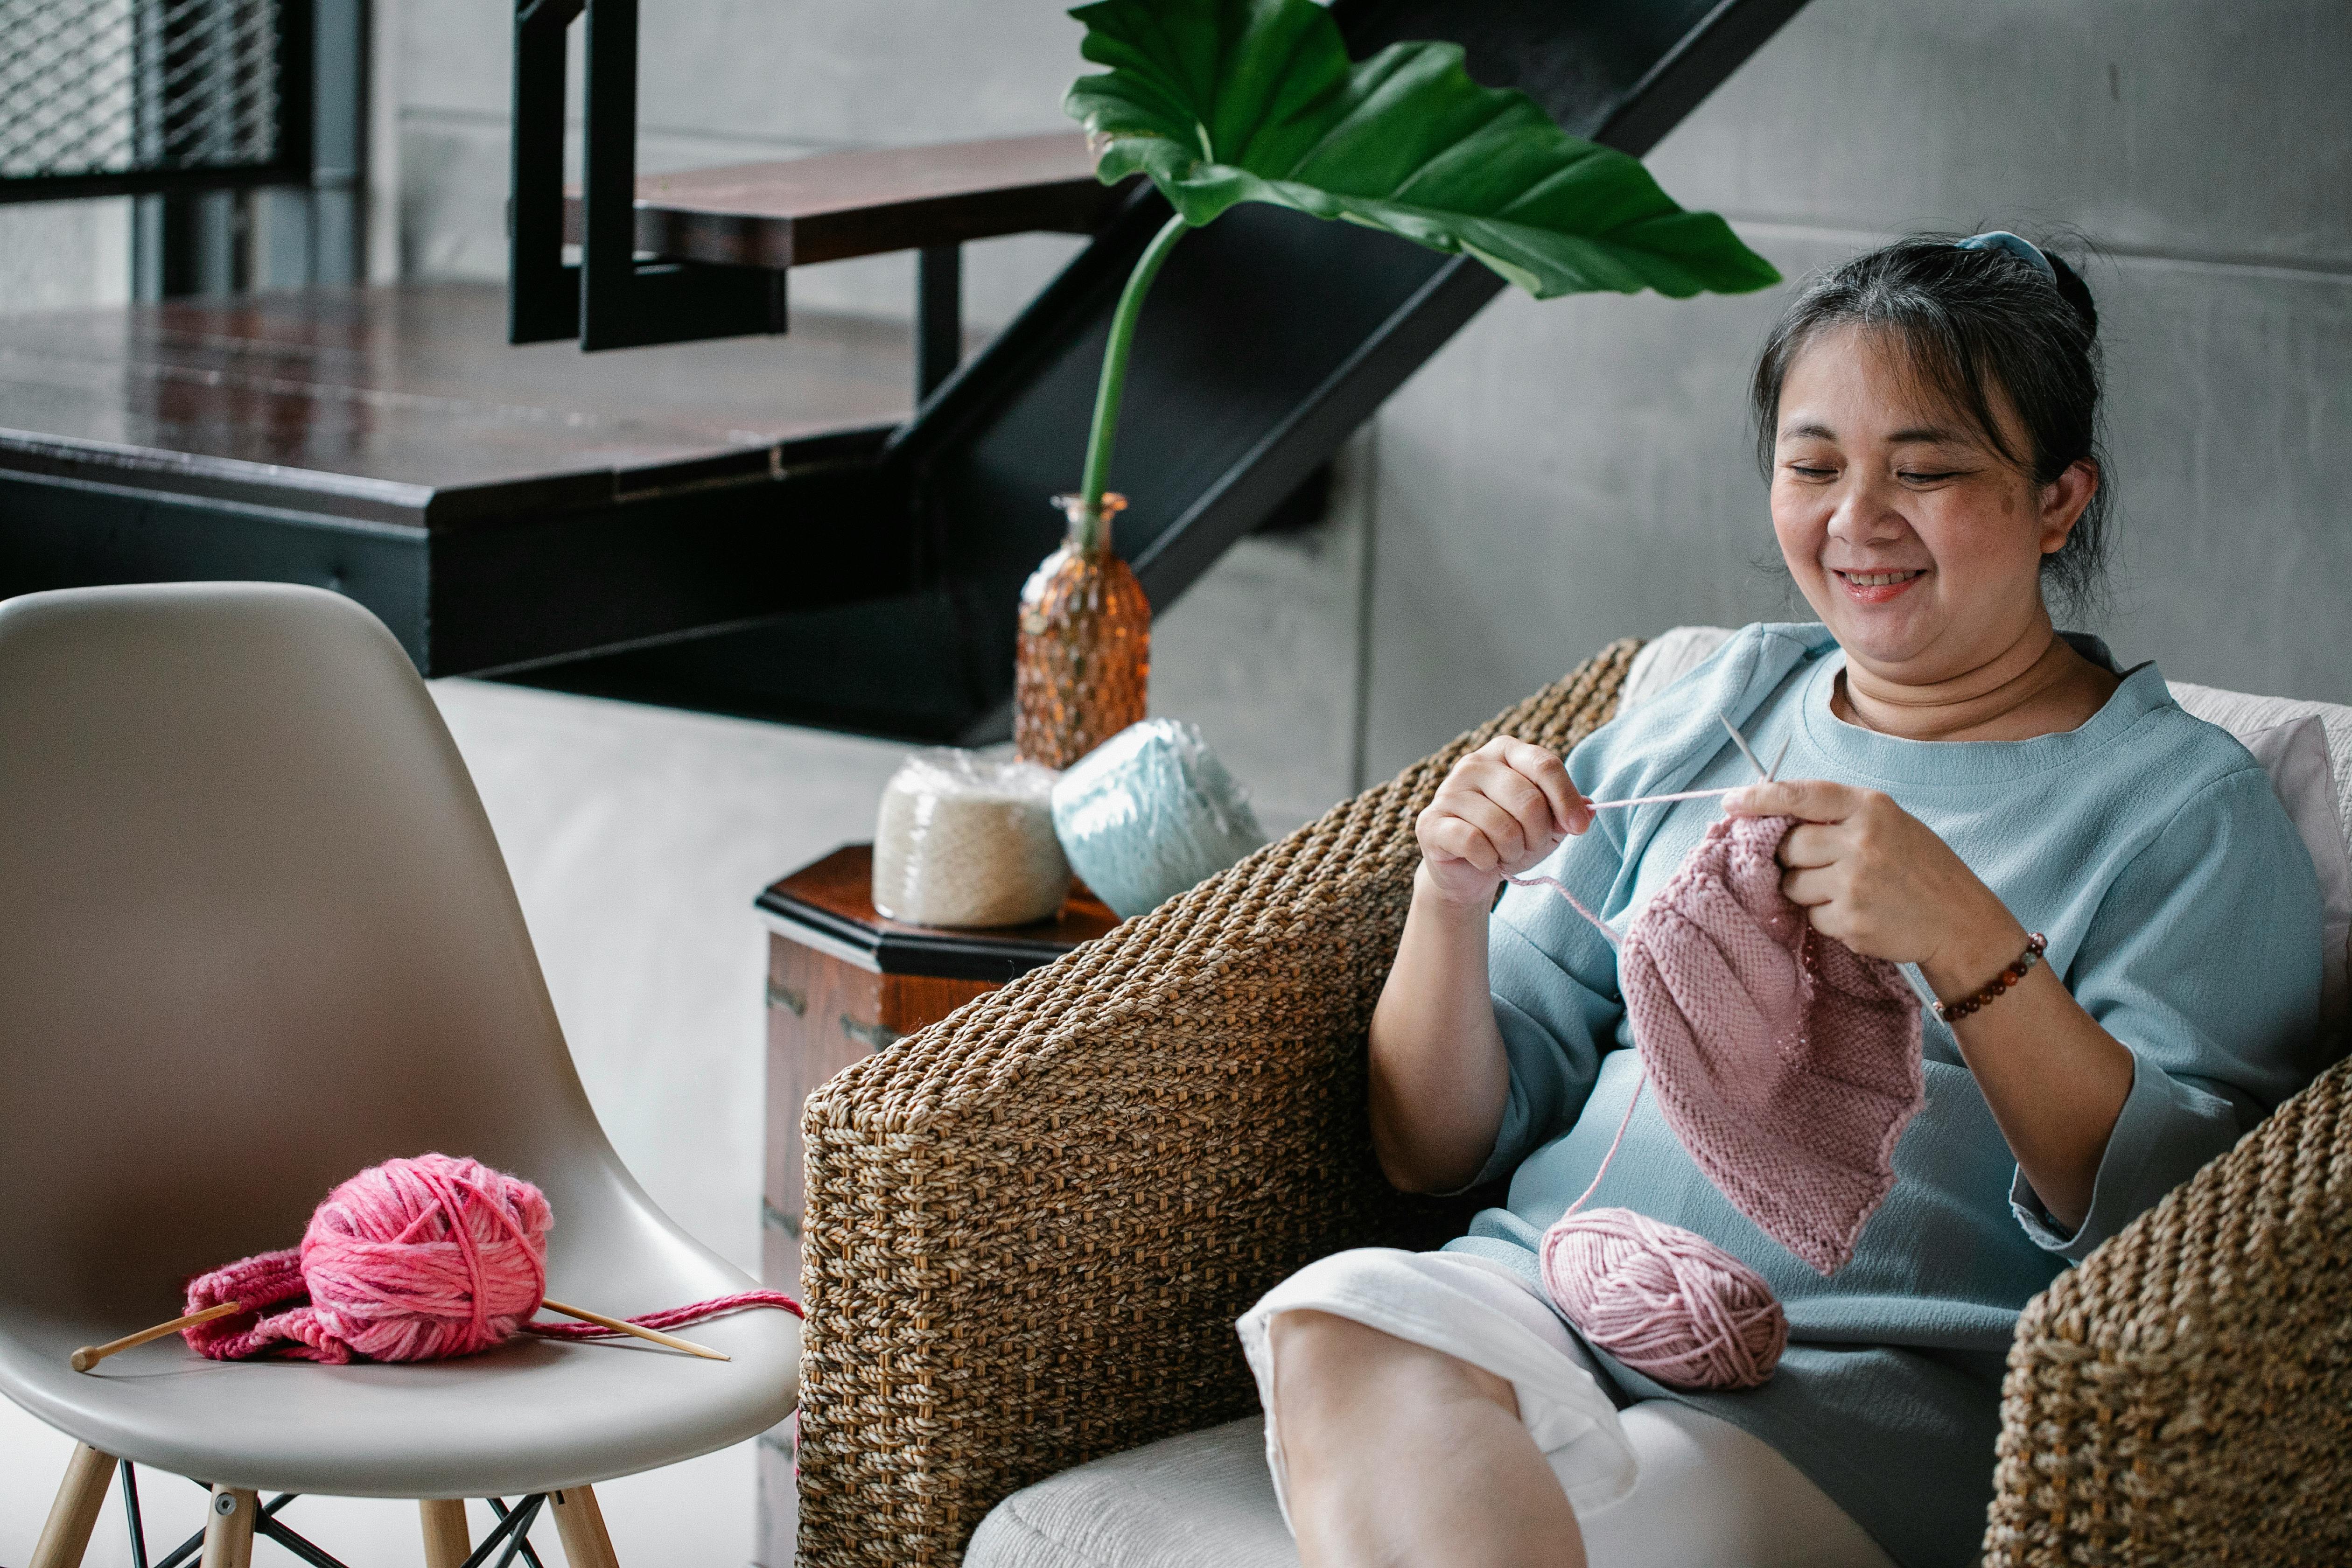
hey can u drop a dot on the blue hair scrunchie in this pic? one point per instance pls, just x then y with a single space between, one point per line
2024 249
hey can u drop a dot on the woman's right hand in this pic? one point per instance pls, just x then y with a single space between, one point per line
1503 809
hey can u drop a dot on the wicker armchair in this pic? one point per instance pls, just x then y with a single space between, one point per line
1030 1227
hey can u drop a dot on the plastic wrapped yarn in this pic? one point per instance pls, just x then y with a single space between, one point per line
1149 813
966 840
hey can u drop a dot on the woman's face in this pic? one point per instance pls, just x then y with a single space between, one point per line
1913 540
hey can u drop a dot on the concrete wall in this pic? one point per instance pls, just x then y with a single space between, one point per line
55 256
1570 472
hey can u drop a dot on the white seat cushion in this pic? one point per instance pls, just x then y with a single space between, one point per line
1709 1496
1201 1501
2306 748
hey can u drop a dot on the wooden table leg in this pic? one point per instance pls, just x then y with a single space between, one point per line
581 1523
448 1542
66 1537
228 1531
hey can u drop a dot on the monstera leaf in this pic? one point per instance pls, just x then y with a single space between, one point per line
1256 101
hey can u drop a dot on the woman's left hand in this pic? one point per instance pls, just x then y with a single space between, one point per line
1878 879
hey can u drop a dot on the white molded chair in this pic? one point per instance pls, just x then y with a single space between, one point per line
255 935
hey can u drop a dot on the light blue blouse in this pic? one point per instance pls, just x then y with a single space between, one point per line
2182 913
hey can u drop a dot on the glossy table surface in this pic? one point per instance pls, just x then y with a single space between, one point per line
406 405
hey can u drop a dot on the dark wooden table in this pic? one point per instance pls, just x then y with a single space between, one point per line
407 407
843 982
493 505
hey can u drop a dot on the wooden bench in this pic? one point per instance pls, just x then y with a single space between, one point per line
830 207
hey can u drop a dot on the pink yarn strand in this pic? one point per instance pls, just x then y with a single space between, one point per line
1604 927
1622 1122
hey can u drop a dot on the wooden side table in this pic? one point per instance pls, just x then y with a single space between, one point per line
845 982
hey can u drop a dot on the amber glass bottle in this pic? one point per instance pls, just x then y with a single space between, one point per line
1084 658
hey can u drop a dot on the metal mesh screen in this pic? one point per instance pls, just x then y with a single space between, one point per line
128 87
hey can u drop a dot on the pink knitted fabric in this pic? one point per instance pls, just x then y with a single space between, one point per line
1786 1063
410 1260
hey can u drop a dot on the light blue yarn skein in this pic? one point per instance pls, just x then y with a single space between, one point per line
1149 813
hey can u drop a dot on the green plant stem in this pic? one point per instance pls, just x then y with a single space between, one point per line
1114 376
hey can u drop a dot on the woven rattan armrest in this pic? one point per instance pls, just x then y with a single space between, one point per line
2184 1396
1030 1226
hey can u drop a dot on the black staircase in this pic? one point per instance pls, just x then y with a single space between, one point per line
1268 338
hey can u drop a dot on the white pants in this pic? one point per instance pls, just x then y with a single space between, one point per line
1659 1484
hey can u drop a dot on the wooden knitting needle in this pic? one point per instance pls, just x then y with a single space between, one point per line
621 1326
89 1356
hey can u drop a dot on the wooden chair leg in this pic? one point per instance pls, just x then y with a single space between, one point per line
66 1537
228 1530
448 1544
581 1524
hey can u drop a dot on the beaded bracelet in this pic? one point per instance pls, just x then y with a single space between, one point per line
2034 947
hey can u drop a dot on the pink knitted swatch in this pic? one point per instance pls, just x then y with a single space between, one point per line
1787 1063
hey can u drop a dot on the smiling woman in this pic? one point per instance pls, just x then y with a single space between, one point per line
2120 927
1964 377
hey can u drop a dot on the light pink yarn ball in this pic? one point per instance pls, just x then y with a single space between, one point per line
417 1259
1665 1301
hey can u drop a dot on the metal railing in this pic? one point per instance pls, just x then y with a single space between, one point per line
153 96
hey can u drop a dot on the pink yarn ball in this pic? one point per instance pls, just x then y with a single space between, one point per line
1665 1301
418 1259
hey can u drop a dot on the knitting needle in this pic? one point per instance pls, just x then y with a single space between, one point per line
1740 741
1910 971
1769 773
89 1356
1662 799
1919 984
620 1326
1604 927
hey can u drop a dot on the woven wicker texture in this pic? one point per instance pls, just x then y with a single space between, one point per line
2184 1396
1030 1226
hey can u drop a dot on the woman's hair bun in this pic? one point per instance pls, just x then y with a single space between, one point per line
2073 289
